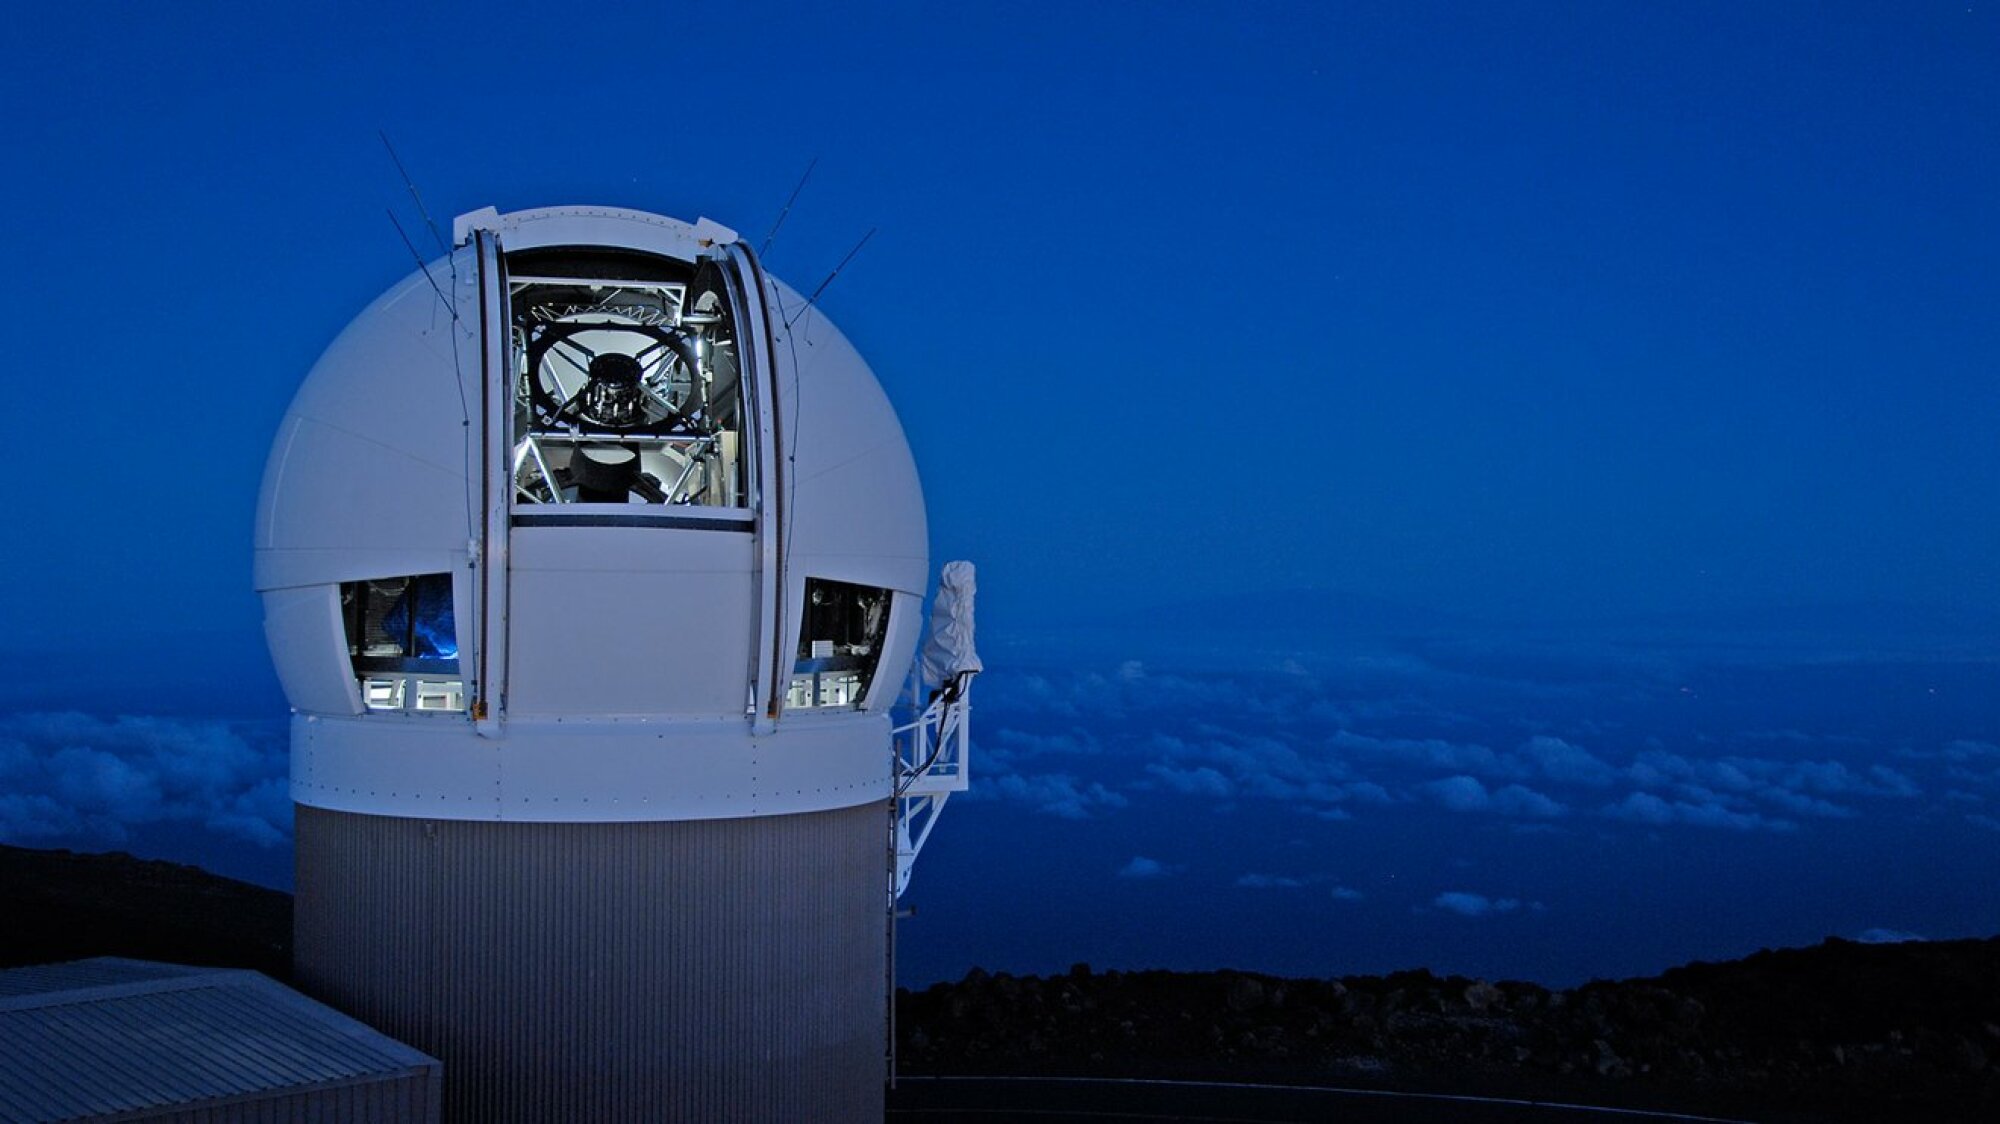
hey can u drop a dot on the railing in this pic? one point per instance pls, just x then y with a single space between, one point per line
931 754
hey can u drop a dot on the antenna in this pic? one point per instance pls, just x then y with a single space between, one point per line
829 277
766 247
404 235
457 368
450 300
412 185
451 306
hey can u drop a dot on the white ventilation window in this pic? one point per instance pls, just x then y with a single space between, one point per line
402 638
840 643
628 388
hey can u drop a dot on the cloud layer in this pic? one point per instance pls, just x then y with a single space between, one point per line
84 779
1085 745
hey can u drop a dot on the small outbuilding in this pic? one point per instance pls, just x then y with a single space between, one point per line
136 1040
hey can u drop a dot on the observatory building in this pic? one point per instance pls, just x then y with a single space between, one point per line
593 561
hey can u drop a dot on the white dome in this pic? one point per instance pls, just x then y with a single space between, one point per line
571 525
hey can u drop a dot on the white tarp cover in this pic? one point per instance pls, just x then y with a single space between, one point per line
949 650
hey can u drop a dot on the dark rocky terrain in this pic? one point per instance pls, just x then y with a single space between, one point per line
1840 1031
60 905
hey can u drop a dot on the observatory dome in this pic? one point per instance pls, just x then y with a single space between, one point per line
590 519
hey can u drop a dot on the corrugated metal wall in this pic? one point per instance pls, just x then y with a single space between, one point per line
703 970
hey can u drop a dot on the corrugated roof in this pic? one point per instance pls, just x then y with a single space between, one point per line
129 1035
101 972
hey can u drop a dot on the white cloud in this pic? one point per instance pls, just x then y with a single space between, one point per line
1056 794
1885 936
1714 792
1198 781
1795 737
1143 867
1460 793
1564 763
1966 762
252 814
106 783
15 758
1466 794
1426 753
1889 782
1022 744
1646 808
1346 894
1269 882
1518 800
1368 792
1642 807
1799 804
26 817
1967 750
1830 778
1473 905
1261 768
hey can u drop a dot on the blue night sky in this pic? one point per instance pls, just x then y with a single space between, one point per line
1502 488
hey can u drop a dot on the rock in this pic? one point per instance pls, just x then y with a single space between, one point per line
1687 1013
1608 1063
1483 996
1244 994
